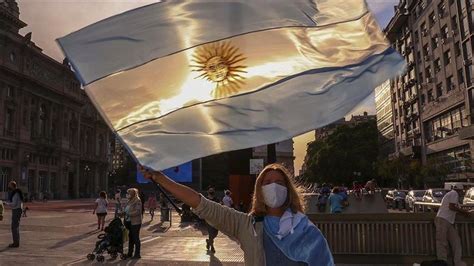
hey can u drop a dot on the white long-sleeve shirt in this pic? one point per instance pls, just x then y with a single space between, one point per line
16 202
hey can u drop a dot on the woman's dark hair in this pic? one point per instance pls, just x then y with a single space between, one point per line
15 190
103 195
335 190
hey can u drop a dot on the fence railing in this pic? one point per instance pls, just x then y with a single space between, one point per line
402 235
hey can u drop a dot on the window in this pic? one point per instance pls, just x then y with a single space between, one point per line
430 96
449 83
428 73
469 74
454 23
423 99
423 29
7 154
12 57
442 9
465 26
437 65
460 76
444 32
417 38
456 115
439 90
447 57
432 19
43 124
467 49
9 122
435 42
10 92
426 50
457 49
5 177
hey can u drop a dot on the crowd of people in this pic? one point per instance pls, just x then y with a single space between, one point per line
265 233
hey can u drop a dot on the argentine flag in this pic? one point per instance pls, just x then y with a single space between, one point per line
180 80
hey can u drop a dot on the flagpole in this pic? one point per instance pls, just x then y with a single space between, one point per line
178 210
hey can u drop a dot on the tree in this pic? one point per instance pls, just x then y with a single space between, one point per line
347 150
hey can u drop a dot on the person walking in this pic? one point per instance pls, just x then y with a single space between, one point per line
446 233
133 222
227 200
275 232
152 205
1 210
212 232
118 202
164 210
16 204
100 209
335 201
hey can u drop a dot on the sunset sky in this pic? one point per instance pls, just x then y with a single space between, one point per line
51 19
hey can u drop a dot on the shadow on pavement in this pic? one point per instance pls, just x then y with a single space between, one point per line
4 249
214 261
159 228
73 239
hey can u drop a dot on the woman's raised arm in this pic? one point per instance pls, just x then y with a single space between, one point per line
181 192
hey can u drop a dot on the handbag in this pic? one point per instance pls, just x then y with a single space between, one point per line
125 235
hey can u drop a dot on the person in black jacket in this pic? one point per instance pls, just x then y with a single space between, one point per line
212 232
16 204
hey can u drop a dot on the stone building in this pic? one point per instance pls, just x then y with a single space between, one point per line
52 140
432 101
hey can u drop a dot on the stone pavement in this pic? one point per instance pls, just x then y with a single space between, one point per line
64 232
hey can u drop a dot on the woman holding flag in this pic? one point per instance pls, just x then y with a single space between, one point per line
275 232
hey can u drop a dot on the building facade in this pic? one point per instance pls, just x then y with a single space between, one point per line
383 107
52 140
284 154
432 101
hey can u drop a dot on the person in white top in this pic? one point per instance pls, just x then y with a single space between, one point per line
118 202
446 233
101 210
227 200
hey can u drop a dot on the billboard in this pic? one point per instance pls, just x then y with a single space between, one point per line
182 173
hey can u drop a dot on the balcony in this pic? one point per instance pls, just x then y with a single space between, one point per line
414 151
467 133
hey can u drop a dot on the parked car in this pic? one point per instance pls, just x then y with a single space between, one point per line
395 199
434 195
469 197
412 197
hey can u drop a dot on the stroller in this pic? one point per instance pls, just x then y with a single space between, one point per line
111 242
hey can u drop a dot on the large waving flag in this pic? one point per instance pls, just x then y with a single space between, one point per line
180 80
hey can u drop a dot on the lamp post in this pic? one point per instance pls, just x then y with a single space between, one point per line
86 171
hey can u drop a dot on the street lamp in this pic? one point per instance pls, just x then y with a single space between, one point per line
86 171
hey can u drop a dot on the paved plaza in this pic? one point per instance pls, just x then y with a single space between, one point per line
64 232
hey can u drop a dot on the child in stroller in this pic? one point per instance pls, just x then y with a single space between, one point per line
111 242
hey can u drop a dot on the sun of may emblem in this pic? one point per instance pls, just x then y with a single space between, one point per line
221 64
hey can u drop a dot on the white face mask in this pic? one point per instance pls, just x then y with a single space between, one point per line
274 195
